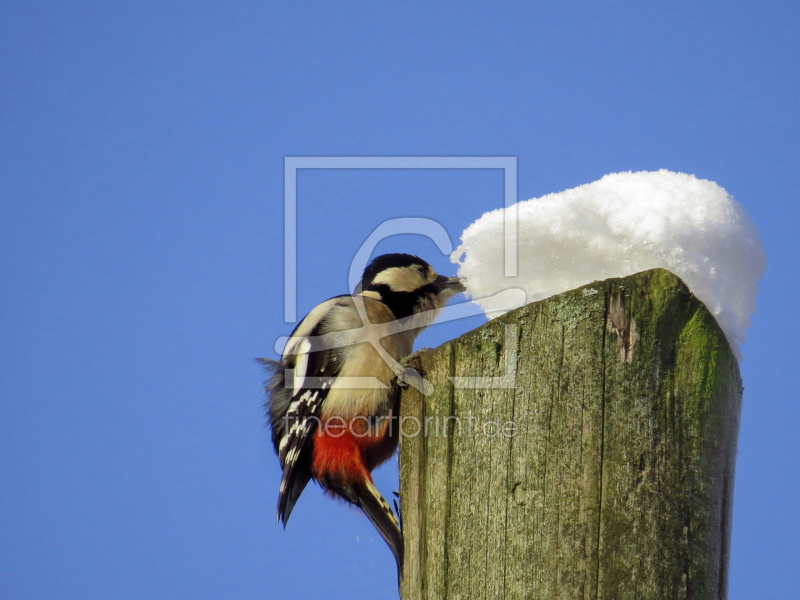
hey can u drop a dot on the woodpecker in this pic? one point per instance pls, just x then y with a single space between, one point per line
333 398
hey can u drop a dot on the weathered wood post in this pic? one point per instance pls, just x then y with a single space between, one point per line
598 464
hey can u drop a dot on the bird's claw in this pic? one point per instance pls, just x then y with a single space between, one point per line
413 376
408 377
412 361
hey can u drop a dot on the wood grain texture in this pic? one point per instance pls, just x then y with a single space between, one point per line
598 464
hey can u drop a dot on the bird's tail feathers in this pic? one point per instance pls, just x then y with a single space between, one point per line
366 496
292 485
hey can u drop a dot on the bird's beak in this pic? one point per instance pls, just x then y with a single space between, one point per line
454 285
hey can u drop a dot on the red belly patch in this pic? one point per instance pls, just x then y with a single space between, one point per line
339 451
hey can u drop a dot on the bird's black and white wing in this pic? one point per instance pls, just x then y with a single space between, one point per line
298 386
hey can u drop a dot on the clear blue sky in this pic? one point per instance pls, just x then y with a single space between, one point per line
141 219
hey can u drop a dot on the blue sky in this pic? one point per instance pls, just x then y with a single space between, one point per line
141 236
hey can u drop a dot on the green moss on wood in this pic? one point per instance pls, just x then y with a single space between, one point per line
617 481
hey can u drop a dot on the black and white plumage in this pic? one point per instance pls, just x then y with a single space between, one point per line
333 397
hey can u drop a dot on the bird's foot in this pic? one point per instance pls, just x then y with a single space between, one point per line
412 376
409 373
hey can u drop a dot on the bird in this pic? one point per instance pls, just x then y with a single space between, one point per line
333 397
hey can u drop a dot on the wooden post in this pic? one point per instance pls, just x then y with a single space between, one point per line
597 463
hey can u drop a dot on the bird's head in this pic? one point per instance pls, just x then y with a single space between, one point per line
407 285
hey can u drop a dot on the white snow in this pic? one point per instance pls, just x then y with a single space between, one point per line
622 224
